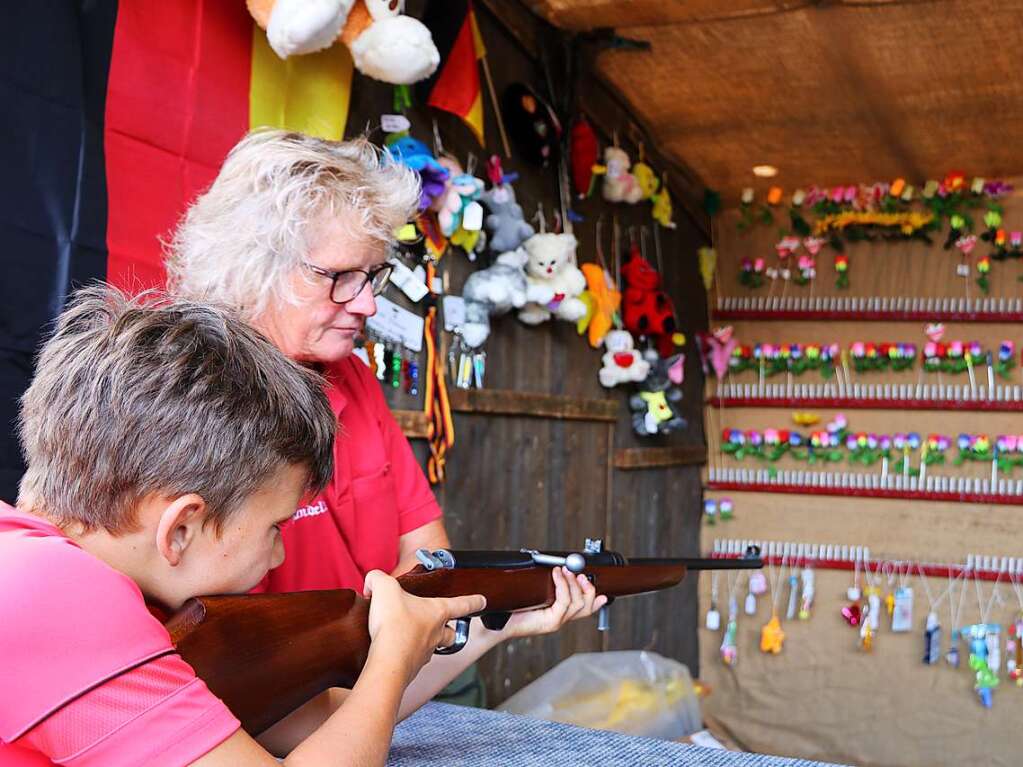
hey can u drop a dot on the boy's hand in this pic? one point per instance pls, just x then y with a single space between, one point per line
411 627
574 597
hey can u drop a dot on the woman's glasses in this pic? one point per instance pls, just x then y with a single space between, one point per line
346 285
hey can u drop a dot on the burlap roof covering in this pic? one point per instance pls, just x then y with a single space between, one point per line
829 92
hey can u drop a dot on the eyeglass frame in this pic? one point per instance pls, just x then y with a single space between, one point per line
368 276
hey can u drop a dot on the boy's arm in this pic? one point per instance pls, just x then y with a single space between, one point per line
353 728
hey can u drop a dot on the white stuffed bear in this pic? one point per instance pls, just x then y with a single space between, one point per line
554 280
619 184
623 363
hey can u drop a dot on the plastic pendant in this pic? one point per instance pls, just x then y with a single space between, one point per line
902 613
758 583
771 636
713 622
932 640
750 607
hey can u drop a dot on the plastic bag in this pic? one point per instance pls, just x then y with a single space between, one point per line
632 692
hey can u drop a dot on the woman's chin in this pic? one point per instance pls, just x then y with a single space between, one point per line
335 348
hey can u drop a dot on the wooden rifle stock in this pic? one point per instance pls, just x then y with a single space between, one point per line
265 655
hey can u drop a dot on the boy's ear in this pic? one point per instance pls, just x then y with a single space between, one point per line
179 525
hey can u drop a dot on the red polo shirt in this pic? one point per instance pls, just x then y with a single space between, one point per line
378 494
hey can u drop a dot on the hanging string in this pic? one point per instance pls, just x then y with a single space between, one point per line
953 614
985 612
776 579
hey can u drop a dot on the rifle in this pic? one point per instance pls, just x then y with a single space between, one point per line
265 655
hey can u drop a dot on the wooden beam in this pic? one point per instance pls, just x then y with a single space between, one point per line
533 405
659 457
413 423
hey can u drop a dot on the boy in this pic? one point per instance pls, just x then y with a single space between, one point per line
166 444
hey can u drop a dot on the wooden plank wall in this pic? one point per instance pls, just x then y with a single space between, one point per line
516 481
822 698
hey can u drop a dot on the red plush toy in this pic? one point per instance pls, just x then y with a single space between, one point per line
584 151
646 309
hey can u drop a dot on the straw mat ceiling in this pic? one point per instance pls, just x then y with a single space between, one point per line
829 92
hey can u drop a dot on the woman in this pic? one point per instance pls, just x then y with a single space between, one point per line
295 233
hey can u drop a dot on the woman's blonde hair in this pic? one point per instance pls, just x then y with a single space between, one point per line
240 241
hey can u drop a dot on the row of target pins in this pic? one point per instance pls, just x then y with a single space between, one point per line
860 481
877 391
906 304
772 551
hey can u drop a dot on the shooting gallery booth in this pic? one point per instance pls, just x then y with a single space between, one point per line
712 307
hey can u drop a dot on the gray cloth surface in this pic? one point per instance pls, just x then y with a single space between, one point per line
442 735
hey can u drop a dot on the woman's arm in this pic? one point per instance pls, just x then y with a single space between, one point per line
431 536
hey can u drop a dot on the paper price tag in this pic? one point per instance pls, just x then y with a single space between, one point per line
407 281
963 270
454 312
394 123
397 324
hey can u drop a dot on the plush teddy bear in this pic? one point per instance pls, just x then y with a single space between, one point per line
551 267
619 184
655 406
622 362
494 291
646 309
385 44
505 225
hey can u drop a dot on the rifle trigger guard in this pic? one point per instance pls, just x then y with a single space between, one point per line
461 637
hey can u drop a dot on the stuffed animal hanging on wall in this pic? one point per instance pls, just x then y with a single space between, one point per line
622 362
619 184
494 291
647 311
584 152
506 227
433 176
655 408
532 124
551 267
385 44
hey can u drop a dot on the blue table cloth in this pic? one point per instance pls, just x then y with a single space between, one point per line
442 735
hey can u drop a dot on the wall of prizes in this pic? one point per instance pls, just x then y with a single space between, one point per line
863 397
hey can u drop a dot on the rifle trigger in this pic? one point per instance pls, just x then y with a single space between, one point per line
495 621
461 637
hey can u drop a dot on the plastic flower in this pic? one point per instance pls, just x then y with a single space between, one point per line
798 197
897 187
747 195
795 439
982 444
841 263
954 181
955 349
899 441
930 189
850 442
1005 351
754 437
1000 238
984 265
771 437
1016 239
963 441
885 442
858 349
913 440
992 219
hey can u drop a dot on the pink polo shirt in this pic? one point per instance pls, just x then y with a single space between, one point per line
88 676
378 494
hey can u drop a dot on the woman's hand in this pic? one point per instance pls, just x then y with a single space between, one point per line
574 597
409 628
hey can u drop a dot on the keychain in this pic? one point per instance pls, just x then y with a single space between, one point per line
412 375
790 612
1014 636
396 363
729 650
902 610
932 626
750 607
379 360
952 656
851 613
479 368
713 621
806 601
772 637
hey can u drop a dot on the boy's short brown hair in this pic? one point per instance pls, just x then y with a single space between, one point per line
133 396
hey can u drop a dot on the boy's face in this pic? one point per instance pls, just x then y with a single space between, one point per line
249 543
